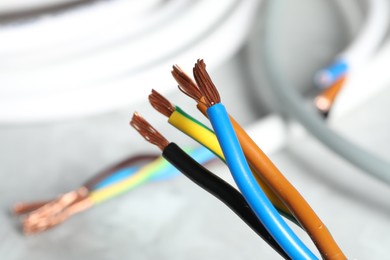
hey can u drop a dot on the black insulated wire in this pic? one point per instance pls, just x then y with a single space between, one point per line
221 190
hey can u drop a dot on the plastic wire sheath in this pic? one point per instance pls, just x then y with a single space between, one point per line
135 180
201 154
286 192
220 189
196 130
92 182
98 181
206 137
253 194
157 170
302 211
117 177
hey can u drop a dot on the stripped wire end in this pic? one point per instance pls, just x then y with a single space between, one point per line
42 224
161 104
59 204
325 100
186 84
24 208
47 215
205 84
148 131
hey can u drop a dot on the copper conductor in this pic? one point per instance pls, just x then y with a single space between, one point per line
57 205
161 104
186 84
326 98
51 221
148 132
205 84
24 208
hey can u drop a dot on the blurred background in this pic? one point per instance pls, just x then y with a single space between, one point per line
72 72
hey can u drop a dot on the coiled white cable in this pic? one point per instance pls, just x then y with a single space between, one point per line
113 75
91 29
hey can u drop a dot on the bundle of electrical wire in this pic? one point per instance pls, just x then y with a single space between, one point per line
106 185
255 183
95 51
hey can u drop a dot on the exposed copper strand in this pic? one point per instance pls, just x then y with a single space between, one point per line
24 208
205 84
148 132
58 204
186 84
324 101
53 220
161 104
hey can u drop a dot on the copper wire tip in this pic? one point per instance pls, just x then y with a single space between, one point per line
50 221
205 84
161 104
322 103
186 84
24 208
148 131
325 100
56 206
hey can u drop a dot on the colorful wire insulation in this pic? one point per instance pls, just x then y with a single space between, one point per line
157 169
221 190
241 173
47 214
205 179
206 137
253 194
272 176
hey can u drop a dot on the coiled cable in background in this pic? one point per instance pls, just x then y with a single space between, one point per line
366 43
94 56
295 106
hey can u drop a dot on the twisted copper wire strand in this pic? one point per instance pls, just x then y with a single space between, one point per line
161 104
148 131
186 84
205 84
58 204
53 220
37 222
324 101
24 208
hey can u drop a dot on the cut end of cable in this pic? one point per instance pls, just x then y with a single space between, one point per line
205 84
324 101
322 104
37 225
148 131
24 208
161 104
55 212
186 84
